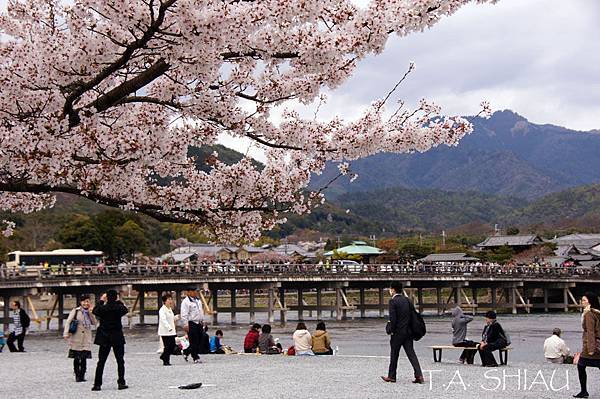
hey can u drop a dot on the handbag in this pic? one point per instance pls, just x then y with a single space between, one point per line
74 324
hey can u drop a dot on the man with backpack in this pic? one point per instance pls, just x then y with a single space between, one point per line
404 326
21 323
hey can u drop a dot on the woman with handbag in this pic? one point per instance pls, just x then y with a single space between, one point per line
590 352
78 332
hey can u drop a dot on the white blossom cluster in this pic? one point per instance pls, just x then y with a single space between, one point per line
103 98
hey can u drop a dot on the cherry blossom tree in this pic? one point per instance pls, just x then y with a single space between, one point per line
103 99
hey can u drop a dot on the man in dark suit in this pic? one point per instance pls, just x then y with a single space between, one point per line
401 336
493 338
109 335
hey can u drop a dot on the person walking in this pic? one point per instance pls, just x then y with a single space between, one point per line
166 328
192 317
321 341
109 335
590 352
555 349
459 335
400 310
78 332
19 327
493 338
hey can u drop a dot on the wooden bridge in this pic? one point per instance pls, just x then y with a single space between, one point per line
321 289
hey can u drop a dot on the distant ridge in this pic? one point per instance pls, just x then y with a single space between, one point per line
505 155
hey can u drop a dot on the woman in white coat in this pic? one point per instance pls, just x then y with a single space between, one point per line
166 328
80 336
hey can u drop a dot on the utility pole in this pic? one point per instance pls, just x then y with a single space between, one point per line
338 242
443 238
373 239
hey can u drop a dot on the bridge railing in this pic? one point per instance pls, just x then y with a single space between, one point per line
242 269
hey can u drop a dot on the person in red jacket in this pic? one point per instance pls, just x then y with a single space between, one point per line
251 340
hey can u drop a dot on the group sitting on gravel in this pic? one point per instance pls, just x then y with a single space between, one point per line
259 340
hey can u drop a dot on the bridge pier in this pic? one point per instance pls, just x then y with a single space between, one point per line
319 310
233 305
61 310
215 305
300 304
282 312
270 307
440 306
361 300
420 299
141 305
494 299
6 318
177 301
252 305
381 301
338 303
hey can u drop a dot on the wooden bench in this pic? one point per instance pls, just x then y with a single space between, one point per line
437 352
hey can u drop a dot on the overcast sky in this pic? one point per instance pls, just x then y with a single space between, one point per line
540 58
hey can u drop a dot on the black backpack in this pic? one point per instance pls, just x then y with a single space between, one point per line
25 320
417 324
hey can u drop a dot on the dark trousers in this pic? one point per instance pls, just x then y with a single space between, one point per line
79 367
467 355
169 347
103 352
397 342
487 354
583 363
11 342
195 333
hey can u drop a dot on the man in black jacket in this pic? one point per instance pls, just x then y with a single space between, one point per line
401 336
492 338
109 335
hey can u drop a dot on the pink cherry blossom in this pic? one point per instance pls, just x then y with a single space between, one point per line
103 98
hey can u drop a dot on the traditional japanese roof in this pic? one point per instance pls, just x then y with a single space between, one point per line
581 241
252 249
358 248
511 241
450 257
294 250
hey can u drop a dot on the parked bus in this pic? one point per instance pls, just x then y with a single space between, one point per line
31 261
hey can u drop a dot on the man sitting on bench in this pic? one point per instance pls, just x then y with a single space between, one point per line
493 338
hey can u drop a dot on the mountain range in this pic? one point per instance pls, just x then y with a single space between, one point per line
504 155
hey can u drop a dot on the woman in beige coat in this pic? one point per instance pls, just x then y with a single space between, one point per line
80 342
590 353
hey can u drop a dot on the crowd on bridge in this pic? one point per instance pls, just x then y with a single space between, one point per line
45 270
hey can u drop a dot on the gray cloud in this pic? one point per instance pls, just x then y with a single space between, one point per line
537 57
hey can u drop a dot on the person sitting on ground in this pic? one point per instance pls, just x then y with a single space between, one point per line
555 349
459 335
321 342
216 347
205 342
251 339
302 341
266 343
493 338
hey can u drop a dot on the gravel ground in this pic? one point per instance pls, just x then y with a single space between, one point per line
45 372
